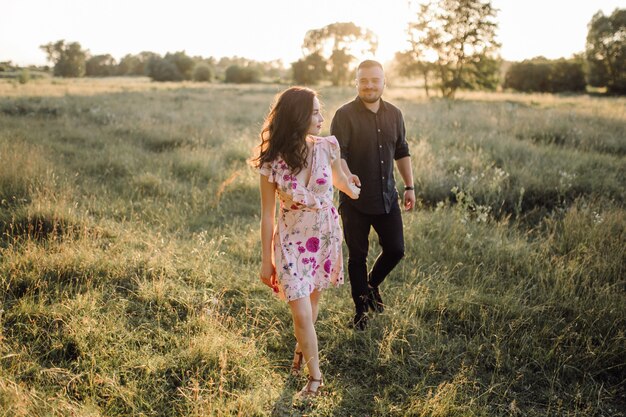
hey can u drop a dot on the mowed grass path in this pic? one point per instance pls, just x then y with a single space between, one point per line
129 255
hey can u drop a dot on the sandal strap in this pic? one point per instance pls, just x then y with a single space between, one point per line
296 365
308 390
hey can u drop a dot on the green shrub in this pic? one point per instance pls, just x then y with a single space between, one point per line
241 75
24 76
160 69
203 73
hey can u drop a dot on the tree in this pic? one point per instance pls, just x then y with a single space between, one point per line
309 70
68 59
483 73
459 38
409 65
130 65
340 61
528 76
100 66
606 51
225 62
338 43
161 69
542 75
183 63
567 75
173 67
135 64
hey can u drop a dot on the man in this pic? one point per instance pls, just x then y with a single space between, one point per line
371 135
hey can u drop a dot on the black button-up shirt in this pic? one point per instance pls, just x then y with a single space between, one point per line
370 142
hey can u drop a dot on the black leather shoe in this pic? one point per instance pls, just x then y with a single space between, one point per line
359 322
375 301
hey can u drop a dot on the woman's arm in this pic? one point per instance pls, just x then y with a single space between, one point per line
341 182
352 179
268 213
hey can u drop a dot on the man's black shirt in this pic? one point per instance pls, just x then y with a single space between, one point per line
370 142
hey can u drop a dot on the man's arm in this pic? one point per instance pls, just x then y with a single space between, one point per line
406 172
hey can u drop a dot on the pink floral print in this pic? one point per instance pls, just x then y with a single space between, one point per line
308 234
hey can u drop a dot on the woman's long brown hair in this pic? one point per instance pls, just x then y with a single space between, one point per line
285 129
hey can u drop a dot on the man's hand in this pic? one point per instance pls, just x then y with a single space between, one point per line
409 199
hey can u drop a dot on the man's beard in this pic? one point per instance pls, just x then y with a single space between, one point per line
368 100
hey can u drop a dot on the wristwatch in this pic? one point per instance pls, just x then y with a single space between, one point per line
409 187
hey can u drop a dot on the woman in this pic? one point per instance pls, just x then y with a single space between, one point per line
301 256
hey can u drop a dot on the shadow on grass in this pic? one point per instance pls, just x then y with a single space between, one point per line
286 405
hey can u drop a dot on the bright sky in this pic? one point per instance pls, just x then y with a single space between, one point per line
269 29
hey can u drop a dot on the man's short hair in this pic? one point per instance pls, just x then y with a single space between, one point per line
369 63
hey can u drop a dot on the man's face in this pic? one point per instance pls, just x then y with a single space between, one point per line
370 83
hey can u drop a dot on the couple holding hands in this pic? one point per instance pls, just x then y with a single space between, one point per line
302 243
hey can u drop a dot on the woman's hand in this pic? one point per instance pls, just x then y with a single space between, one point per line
268 276
353 179
354 184
354 191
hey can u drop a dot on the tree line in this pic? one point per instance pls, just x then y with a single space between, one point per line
71 60
452 46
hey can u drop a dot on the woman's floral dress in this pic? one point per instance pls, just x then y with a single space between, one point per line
307 238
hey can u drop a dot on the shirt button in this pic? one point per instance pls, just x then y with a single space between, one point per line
380 146
378 130
383 177
381 162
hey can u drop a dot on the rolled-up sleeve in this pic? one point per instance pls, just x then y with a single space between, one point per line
369 143
402 146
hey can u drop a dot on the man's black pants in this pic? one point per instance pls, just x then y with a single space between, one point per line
356 229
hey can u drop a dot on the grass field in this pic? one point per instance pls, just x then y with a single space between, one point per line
129 255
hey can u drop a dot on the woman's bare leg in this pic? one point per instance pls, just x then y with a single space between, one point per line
304 312
315 298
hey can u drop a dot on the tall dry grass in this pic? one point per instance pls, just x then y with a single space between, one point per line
129 255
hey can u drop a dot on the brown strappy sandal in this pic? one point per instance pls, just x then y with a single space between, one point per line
307 392
296 365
